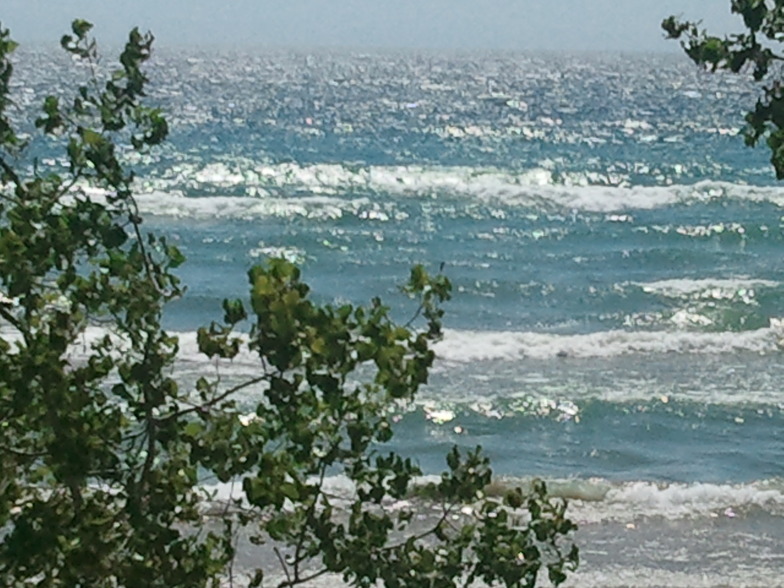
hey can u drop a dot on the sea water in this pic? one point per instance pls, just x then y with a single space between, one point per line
616 253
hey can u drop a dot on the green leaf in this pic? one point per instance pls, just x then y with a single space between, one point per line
290 491
234 311
192 429
81 27
92 138
176 258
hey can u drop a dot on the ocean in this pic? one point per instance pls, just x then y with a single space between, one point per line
617 323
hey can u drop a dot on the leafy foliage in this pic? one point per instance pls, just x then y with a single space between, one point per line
755 51
103 456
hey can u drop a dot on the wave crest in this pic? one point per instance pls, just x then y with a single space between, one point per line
468 346
247 189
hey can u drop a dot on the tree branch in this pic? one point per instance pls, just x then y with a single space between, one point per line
213 401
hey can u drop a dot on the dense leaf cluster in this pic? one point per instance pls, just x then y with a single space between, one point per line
756 50
104 453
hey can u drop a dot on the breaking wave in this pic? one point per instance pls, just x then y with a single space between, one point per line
468 346
593 501
254 190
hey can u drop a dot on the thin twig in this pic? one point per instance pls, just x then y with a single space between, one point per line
308 516
10 172
11 319
284 566
416 315
313 576
214 401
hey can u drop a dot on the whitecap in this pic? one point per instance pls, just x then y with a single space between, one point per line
462 346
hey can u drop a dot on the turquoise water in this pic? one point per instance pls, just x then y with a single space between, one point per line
617 323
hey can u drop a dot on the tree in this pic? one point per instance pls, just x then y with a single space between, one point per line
102 457
757 50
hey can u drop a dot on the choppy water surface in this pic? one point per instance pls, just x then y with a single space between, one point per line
615 251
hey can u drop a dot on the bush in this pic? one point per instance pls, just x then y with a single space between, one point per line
102 457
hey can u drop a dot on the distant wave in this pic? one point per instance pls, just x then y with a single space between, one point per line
334 190
464 389
234 207
464 346
468 346
715 287
253 190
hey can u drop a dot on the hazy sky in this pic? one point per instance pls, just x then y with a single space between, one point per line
438 24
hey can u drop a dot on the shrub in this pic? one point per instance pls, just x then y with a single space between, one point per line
103 456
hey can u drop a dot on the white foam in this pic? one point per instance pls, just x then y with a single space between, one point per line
463 385
537 187
464 346
747 572
717 287
246 207
470 346
632 501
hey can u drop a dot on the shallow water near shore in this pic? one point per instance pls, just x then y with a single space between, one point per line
618 315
